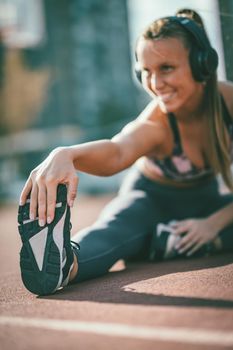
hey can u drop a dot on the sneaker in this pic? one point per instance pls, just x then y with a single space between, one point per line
164 243
46 256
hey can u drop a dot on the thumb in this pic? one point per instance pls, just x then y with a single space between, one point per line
72 190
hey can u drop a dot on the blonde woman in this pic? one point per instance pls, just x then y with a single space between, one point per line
179 143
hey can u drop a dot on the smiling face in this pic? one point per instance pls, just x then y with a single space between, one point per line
166 73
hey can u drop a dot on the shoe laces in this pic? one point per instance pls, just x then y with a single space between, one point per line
73 243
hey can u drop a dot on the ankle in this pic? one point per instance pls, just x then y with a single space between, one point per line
74 270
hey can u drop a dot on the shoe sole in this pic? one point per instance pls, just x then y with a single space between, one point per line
42 249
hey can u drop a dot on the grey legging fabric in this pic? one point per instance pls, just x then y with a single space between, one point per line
125 227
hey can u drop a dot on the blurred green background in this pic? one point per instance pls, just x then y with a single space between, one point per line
66 75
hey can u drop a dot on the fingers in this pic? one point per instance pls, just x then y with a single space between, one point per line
42 187
183 248
195 235
45 197
33 202
42 201
72 190
189 244
195 248
51 202
181 227
25 192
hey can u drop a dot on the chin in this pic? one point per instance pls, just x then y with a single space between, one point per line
168 107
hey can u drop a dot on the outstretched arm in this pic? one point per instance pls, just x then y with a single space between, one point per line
104 157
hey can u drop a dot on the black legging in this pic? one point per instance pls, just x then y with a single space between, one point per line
126 226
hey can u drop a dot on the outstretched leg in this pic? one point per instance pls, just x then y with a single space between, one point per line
122 230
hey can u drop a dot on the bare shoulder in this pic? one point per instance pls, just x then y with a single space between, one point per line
148 130
226 89
151 117
152 113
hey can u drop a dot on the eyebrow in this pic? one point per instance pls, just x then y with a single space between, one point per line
166 63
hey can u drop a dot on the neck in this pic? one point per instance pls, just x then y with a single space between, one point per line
193 112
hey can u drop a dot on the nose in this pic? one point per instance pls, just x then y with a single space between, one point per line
156 82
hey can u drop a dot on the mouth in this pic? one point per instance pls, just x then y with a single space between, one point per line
166 97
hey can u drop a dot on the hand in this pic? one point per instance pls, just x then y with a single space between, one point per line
197 233
43 181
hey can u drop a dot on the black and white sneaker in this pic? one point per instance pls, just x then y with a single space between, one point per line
164 243
46 257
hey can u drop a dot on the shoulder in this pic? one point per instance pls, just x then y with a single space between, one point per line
226 90
148 128
151 116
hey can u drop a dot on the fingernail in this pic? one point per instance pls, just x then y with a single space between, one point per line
49 220
32 217
41 223
71 204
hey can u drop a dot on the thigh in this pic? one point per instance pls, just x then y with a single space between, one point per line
215 203
122 230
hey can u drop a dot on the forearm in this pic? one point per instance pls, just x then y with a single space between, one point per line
222 218
98 157
107 157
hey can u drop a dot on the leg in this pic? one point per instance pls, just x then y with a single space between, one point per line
47 257
123 230
190 203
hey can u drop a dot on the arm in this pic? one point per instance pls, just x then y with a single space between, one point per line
107 157
222 218
104 157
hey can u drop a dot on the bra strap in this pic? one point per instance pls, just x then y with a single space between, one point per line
175 130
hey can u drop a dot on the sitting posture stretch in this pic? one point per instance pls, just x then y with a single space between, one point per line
169 205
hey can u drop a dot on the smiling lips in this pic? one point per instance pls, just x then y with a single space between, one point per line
166 97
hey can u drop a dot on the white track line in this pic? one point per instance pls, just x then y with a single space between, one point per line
181 335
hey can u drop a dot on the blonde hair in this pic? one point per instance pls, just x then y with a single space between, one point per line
219 156
218 152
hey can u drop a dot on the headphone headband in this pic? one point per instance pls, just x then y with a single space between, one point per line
194 29
203 58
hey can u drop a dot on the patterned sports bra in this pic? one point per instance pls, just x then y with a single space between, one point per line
178 166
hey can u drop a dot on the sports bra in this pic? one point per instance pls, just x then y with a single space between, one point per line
178 166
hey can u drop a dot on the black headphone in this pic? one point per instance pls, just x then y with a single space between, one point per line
203 58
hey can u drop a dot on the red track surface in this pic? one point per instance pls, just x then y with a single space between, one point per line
138 306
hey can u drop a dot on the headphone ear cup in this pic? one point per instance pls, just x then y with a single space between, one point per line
203 63
210 62
195 58
138 72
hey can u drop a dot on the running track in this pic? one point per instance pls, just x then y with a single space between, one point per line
171 305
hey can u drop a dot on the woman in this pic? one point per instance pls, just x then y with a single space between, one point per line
180 142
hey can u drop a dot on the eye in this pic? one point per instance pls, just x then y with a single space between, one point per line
166 68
